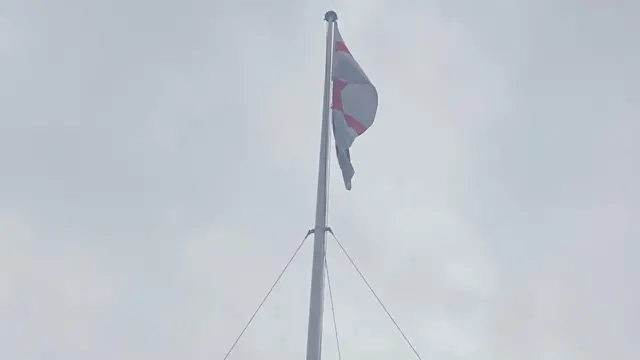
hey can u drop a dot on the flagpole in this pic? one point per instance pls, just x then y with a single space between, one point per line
316 301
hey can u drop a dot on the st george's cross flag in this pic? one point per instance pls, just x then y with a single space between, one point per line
354 104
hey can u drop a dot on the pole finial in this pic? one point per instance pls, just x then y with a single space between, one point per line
330 16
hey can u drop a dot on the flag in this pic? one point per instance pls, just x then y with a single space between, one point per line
354 104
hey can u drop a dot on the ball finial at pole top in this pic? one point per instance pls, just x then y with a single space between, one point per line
330 16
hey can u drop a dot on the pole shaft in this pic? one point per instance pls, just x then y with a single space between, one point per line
316 301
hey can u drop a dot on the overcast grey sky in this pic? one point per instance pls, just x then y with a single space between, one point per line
158 166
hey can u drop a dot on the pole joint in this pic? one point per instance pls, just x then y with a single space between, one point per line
313 231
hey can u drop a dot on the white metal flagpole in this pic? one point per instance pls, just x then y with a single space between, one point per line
316 301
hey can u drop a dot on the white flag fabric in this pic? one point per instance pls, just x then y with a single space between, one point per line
354 104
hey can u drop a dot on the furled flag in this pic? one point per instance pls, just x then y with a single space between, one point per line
355 102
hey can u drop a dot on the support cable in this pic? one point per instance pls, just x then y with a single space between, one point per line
333 310
266 296
376 295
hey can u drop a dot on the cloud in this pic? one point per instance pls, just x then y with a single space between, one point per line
56 298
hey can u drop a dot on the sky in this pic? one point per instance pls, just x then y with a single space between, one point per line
158 167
